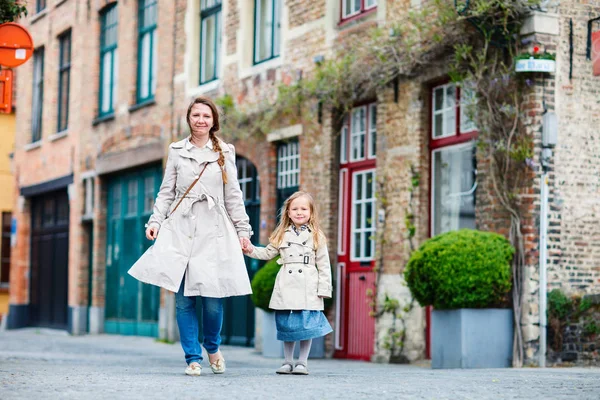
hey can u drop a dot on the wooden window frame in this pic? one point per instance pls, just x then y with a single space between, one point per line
146 85
37 109
64 74
105 49
210 9
275 30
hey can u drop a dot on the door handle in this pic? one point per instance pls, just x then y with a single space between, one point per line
362 278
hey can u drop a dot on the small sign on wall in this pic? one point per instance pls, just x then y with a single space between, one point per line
596 52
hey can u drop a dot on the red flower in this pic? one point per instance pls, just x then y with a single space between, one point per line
536 49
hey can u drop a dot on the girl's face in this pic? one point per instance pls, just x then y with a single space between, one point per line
201 119
299 211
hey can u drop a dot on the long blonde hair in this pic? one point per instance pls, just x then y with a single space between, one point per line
285 221
212 135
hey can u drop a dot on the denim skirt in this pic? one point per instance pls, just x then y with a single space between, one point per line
301 325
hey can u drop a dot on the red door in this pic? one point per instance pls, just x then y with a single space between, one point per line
355 277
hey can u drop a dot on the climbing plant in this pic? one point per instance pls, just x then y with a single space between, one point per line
482 38
11 10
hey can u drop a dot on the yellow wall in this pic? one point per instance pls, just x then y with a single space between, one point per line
7 140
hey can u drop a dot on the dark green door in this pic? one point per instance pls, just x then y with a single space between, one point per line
131 306
238 318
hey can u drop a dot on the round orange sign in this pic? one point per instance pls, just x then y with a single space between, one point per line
16 45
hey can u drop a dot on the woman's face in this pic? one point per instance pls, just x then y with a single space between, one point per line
201 119
299 211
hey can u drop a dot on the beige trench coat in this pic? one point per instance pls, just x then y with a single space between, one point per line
305 273
201 238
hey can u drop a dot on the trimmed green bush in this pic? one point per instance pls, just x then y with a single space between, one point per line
461 269
263 284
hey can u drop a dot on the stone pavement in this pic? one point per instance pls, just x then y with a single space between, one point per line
42 364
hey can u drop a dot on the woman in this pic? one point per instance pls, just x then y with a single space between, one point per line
200 225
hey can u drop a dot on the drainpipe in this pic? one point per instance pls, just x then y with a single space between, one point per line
549 139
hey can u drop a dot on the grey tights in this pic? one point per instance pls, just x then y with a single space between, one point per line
288 351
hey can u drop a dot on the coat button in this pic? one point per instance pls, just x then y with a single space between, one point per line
300 270
290 271
289 244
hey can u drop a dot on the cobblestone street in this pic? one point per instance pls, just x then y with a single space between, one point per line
42 364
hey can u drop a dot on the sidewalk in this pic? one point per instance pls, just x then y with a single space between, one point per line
41 364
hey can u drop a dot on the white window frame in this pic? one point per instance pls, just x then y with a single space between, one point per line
362 230
358 134
288 165
446 109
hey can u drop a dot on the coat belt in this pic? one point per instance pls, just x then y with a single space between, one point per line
194 198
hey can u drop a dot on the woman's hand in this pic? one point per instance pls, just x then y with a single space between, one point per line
246 245
151 232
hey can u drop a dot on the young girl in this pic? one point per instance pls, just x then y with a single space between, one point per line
302 282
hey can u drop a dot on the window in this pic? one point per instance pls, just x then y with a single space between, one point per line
351 8
40 5
288 170
267 29
359 135
453 164
452 104
5 249
132 197
210 39
88 195
64 72
146 50
288 165
149 194
38 95
108 61
454 185
363 216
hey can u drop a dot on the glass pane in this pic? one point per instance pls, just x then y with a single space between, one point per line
209 31
106 82
115 79
344 145
438 125
368 244
454 189
132 192
370 183
449 122
368 215
64 99
145 67
48 218
148 193
358 216
154 64
438 99
370 3
116 197
277 28
356 6
357 245
450 96
263 31
358 187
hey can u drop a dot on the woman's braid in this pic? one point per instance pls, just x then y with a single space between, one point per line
221 160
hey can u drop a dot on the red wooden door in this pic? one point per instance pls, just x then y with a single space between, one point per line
355 277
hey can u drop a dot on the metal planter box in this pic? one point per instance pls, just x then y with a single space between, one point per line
471 338
273 348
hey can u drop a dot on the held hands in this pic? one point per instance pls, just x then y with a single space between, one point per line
247 246
151 232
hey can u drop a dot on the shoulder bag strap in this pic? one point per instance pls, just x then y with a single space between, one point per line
190 188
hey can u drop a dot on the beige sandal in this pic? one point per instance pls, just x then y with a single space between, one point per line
285 369
194 369
218 367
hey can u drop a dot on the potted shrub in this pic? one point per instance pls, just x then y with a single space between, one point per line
262 288
466 276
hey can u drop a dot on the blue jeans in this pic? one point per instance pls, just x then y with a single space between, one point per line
187 321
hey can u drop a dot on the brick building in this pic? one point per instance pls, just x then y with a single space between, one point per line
132 69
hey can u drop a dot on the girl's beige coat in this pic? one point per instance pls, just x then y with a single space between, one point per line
305 274
201 238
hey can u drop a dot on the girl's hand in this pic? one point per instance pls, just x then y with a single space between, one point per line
151 232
